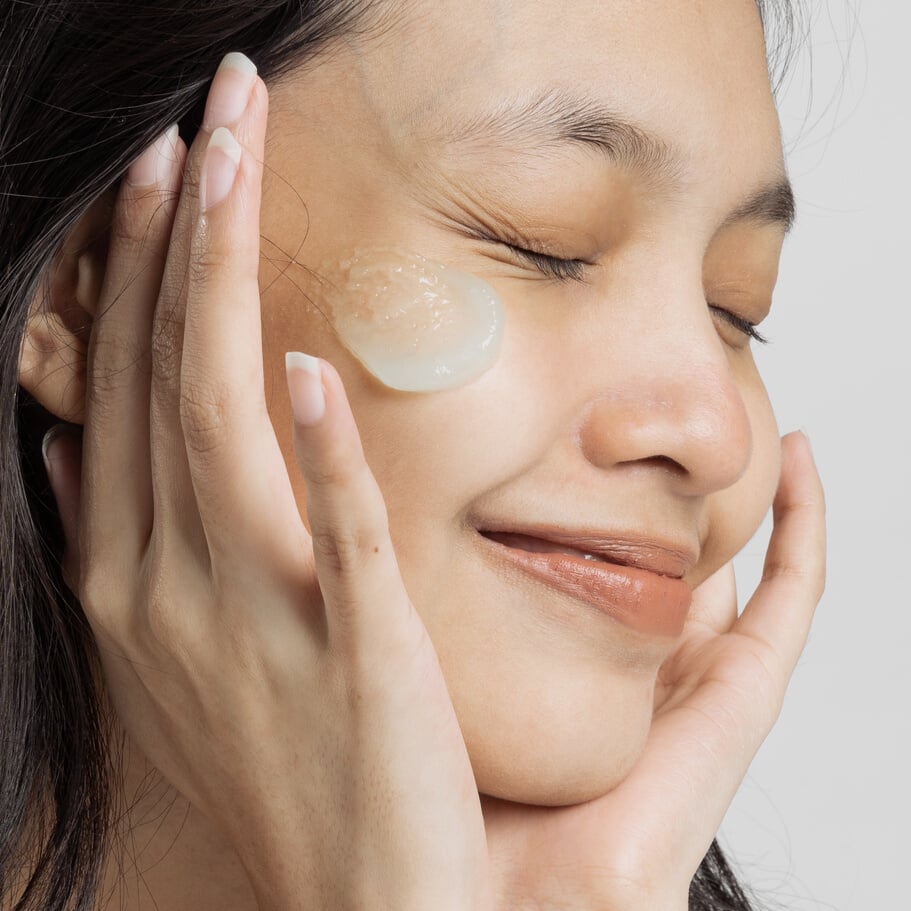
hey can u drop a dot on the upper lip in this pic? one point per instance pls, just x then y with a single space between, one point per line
666 558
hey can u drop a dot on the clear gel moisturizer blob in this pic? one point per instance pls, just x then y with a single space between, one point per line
415 324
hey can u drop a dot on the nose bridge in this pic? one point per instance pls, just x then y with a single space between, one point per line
667 392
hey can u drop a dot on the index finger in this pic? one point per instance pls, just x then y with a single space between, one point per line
235 462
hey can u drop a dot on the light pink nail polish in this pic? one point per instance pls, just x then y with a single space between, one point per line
230 91
220 167
155 164
305 388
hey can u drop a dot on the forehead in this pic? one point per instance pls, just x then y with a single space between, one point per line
694 74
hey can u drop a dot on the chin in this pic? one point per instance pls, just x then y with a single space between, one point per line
558 758
564 781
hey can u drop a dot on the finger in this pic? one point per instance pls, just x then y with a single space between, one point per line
781 609
366 600
117 468
235 462
175 512
62 452
715 601
698 753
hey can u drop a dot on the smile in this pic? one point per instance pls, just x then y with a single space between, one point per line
639 597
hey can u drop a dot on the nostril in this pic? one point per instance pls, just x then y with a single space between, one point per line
659 461
686 423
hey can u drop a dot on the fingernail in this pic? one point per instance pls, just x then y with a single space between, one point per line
155 163
230 91
305 388
219 168
48 441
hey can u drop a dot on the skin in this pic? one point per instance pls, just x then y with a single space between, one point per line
667 431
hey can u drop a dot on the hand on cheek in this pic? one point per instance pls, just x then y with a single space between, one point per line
237 647
720 693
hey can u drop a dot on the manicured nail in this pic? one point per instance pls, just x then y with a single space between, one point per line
219 168
154 165
230 91
305 388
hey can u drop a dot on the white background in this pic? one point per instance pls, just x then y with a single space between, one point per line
823 819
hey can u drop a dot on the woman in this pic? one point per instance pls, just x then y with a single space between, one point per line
481 648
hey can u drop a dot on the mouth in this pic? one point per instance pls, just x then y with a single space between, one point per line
637 583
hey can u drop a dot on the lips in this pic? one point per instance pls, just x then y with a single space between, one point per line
638 583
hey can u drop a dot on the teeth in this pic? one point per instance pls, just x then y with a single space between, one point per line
524 542
572 552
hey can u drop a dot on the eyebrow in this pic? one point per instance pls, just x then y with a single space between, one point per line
555 118
773 204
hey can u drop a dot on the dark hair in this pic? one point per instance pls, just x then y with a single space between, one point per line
85 88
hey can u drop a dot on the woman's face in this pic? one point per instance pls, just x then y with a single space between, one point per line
640 138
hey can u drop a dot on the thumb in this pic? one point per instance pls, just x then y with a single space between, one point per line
62 452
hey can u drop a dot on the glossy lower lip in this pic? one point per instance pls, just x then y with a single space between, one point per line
641 600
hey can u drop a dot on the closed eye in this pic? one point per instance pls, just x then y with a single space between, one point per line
738 322
565 270
551 266
574 270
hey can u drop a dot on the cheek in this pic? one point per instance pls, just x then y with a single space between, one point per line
735 514
550 713
415 324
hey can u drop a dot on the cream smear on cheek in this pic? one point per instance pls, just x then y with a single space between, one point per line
415 324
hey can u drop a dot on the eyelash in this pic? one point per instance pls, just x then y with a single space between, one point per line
574 270
738 322
552 266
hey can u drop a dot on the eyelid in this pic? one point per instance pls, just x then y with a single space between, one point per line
554 266
738 322
574 270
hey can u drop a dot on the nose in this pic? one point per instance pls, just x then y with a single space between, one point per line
669 398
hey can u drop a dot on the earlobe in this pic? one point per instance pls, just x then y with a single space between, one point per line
53 355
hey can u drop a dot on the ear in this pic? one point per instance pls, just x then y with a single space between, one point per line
53 356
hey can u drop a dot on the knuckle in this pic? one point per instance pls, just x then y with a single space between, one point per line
112 356
160 622
164 619
207 263
94 587
345 552
345 468
784 569
204 417
135 220
167 342
97 593
811 579
191 174
328 474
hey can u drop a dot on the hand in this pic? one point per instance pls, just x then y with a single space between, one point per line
638 847
281 680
